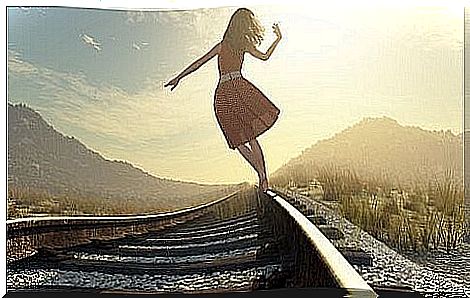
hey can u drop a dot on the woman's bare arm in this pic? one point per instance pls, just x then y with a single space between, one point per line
265 56
195 65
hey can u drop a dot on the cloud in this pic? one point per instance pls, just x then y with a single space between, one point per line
139 45
31 10
134 17
91 41
139 17
18 66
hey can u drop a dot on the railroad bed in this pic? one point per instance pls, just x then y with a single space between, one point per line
246 241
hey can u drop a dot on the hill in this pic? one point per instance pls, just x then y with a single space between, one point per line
43 161
381 148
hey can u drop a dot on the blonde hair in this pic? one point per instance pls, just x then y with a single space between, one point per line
243 30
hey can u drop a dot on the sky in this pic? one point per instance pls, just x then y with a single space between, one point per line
98 75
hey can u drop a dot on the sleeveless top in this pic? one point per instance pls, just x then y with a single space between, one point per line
228 60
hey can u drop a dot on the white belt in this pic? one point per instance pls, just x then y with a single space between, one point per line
230 76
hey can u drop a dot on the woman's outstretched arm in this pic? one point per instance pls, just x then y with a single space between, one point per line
194 66
265 56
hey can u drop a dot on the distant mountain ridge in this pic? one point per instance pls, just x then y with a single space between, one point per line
41 158
377 147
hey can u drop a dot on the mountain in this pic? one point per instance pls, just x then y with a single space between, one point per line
381 147
44 160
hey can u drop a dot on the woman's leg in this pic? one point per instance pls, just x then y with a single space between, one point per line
247 153
259 158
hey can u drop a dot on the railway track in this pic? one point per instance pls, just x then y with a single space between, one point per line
244 242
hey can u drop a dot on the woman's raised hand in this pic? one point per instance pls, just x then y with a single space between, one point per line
277 31
173 83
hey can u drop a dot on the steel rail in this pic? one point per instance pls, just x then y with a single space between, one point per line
346 276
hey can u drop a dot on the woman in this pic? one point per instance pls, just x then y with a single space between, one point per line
242 110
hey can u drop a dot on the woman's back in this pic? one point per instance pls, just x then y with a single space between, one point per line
229 60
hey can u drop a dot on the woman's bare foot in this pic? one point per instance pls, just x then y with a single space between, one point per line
264 185
260 183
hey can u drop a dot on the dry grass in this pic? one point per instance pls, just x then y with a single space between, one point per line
338 182
24 202
426 216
